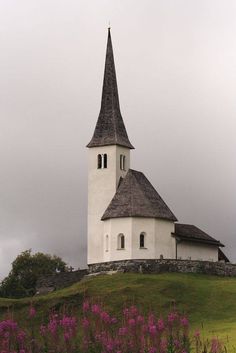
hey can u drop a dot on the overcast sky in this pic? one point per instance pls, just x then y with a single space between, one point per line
176 71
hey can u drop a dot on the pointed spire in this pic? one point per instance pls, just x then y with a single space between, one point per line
110 128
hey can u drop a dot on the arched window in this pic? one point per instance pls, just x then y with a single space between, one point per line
102 161
107 243
122 162
121 241
142 240
99 161
105 160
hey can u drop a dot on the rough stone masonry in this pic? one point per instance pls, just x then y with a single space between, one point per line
167 265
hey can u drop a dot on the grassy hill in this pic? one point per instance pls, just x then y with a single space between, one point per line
209 301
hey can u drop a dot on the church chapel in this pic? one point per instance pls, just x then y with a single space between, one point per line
127 218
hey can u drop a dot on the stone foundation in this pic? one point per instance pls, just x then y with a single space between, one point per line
165 265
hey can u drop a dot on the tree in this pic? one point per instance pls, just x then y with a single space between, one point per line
26 269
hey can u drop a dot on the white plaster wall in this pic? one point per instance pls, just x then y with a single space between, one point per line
125 152
158 239
195 251
113 227
164 242
107 232
102 185
147 226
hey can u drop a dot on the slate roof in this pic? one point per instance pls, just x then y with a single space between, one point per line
188 232
110 128
136 197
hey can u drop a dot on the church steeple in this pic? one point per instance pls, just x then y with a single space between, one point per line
110 128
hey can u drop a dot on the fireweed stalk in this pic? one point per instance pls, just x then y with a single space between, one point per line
96 331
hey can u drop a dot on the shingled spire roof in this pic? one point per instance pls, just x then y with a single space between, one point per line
110 128
136 197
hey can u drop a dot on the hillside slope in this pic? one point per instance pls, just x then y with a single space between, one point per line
209 301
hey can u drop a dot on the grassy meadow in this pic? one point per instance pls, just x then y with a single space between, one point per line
209 301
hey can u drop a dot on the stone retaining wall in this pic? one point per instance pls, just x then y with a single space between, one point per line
165 265
49 283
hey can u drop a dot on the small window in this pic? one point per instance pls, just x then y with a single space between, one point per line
107 243
102 161
105 160
122 162
121 241
99 161
142 240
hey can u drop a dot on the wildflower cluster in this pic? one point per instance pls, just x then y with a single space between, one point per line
97 331
134 333
11 337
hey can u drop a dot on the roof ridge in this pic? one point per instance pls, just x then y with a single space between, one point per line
141 189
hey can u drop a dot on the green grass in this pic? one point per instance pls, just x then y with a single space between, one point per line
207 300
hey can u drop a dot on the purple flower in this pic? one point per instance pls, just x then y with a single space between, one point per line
151 319
52 326
32 312
67 336
171 317
96 309
21 336
85 322
8 325
215 345
184 322
123 331
126 312
177 343
85 306
160 325
114 320
133 310
105 317
68 321
152 350
110 346
140 319
131 322
153 330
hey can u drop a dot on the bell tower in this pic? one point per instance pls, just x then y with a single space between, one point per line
108 158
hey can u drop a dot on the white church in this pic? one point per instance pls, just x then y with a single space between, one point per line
127 218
